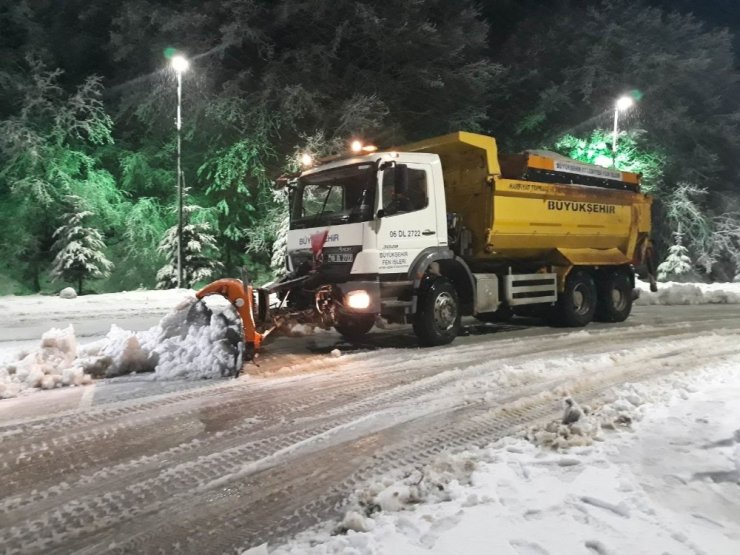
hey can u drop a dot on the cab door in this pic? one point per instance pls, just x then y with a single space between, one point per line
408 222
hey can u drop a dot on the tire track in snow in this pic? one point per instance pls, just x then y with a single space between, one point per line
254 510
110 508
144 426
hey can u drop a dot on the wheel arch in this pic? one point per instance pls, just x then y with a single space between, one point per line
442 261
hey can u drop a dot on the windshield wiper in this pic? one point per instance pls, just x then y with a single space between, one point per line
317 219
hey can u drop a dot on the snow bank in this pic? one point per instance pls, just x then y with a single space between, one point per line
190 342
53 364
673 293
665 480
20 307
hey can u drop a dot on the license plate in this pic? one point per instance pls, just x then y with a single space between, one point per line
340 257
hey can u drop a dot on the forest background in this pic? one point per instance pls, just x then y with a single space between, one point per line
87 110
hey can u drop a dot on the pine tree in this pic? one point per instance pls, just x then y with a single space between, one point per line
79 248
199 251
49 141
677 265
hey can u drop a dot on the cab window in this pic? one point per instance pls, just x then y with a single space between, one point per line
414 198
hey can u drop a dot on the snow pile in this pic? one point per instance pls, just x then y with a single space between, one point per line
191 342
581 426
210 346
68 293
53 364
673 293
668 486
437 482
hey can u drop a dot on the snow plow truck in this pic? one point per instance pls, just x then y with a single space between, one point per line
448 227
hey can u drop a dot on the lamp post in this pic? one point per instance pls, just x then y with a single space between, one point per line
180 64
621 105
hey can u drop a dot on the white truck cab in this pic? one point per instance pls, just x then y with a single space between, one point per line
374 224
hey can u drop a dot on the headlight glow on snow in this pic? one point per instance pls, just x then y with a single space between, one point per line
358 299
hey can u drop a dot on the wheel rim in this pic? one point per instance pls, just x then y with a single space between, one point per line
445 311
580 299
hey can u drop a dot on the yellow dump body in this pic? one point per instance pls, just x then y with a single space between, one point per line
551 223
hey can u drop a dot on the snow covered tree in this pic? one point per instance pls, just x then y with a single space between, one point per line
272 236
686 211
677 265
725 247
79 248
49 140
198 253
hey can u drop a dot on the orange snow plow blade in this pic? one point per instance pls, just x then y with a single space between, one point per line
242 297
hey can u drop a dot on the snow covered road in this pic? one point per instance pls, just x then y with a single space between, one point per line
131 465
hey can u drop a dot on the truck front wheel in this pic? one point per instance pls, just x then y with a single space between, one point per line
576 305
353 327
437 319
615 298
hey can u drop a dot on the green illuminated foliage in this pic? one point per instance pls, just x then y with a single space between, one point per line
632 154
47 153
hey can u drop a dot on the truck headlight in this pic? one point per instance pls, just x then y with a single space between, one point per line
358 299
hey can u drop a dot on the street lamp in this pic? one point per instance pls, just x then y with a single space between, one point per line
622 104
180 64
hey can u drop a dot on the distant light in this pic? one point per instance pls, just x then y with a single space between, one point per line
306 160
369 148
179 63
603 161
624 102
358 299
356 146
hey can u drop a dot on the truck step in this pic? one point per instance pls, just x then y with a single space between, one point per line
395 304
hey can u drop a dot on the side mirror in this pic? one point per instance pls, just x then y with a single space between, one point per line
281 183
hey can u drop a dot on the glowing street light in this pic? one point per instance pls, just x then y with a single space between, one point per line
180 64
622 104
306 160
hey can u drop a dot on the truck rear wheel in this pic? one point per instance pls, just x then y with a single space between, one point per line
576 305
615 298
437 319
354 326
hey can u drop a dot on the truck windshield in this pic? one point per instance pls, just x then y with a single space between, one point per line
333 197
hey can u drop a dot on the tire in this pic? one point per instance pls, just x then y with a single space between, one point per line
614 298
503 314
437 318
576 305
355 326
